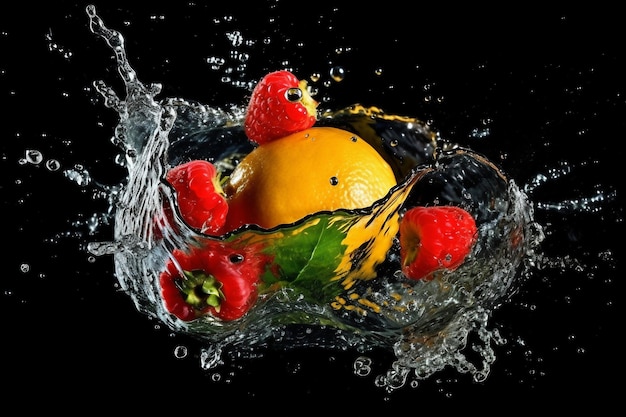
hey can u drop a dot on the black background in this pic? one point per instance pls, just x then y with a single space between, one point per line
547 88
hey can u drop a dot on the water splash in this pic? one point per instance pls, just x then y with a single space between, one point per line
594 202
428 328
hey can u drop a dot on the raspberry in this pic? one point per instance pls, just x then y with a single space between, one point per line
433 239
280 105
200 197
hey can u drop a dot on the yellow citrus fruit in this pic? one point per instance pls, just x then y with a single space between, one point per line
317 169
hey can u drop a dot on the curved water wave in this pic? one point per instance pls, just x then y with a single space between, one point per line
425 323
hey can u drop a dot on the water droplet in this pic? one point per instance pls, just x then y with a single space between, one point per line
480 133
215 62
53 165
337 73
33 156
235 38
180 351
120 160
334 181
78 175
362 366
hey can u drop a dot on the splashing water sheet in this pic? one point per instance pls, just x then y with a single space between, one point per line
523 142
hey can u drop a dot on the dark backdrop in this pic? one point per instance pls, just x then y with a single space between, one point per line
540 92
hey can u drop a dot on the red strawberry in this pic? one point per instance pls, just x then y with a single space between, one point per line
217 279
200 197
435 238
280 105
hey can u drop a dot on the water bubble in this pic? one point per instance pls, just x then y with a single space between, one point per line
334 180
24 268
480 133
235 38
240 56
79 175
53 165
120 160
33 156
215 62
480 376
337 73
180 352
362 366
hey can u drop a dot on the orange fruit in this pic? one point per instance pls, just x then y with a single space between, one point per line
317 169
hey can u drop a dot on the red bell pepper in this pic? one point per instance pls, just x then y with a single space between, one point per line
217 278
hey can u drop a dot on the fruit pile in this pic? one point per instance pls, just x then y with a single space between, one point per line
296 171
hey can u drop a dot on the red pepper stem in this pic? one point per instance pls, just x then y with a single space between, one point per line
201 290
